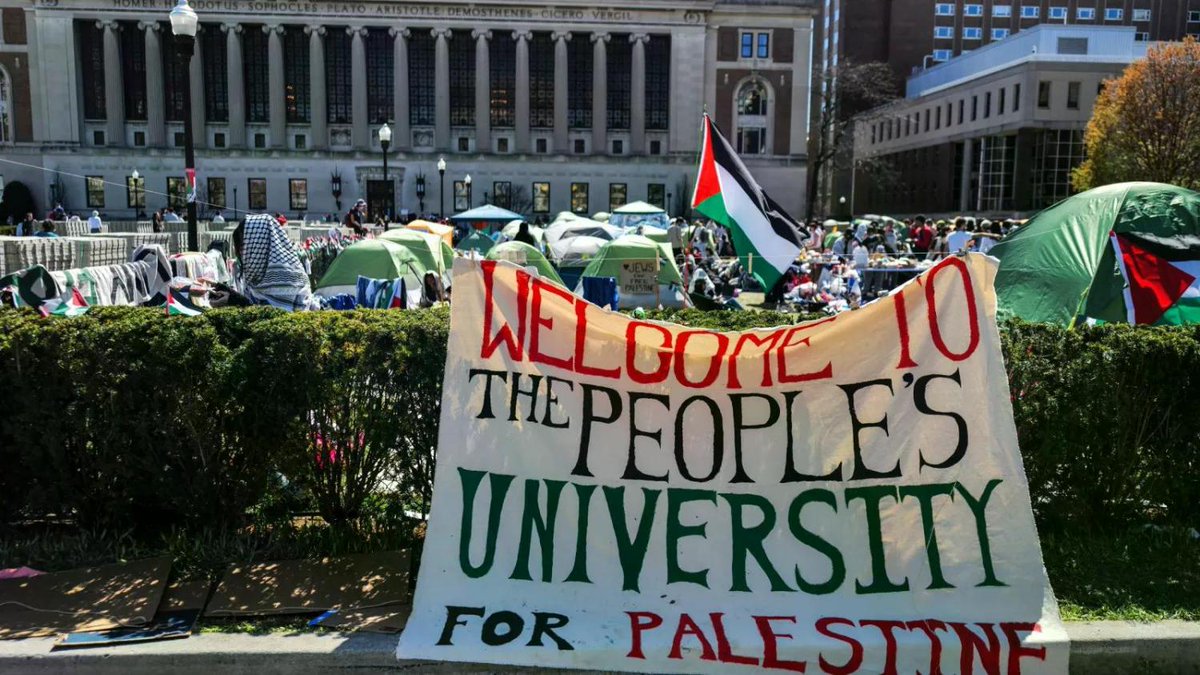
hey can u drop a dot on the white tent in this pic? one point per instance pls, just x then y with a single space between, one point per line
581 227
575 251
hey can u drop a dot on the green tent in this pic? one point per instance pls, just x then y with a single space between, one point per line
620 260
375 258
1062 266
447 258
526 256
428 248
476 242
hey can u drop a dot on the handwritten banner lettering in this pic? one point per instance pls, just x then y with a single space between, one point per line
842 496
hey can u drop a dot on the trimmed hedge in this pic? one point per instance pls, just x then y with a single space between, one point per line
125 418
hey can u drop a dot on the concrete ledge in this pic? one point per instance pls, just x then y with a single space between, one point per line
1101 647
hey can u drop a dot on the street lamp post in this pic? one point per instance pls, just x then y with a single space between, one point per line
442 189
467 182
385 140
137 194
183 25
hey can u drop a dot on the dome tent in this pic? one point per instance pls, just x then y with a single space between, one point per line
1128 252
639 213
476 242
374 258
526 256
628 259
427 247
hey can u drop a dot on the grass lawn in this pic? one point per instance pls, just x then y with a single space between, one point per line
1138 575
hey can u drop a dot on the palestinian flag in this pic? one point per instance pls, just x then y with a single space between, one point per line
728 194
178 304
1162 277
72 305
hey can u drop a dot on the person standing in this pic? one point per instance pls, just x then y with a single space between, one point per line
94 223
676 235
47 230
960 238
27 227
156 222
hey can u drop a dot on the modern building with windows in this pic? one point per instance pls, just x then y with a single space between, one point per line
997 131
909 35
547 107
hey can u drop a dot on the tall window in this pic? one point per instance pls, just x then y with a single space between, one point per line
257 194
216 82
420 78
541 81
339 99
541 198
133 67
216 193
579 81
502 194
298 194
176 192
1044 94
297 96
502 59
462 79
257 76
618 195
135 192
752 119
658 82
1073 95
6 134
656 194
380 63
174 77
620 56
95 192
91 60
579 197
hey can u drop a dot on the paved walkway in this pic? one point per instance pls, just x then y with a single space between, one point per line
1097 648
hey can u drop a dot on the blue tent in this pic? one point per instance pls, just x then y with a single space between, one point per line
486 214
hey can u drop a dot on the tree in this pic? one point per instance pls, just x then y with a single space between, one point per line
1146 123
845 91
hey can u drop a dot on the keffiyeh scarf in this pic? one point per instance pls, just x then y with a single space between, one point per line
271 270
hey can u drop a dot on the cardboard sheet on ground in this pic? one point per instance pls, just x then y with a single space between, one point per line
95 598
390 619
307 586
845 495
181 605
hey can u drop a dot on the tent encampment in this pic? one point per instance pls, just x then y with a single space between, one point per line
645 271
525 255
581 227
1128 252
510 230
481 216
446 232
476 242
427 247
638 213
374 258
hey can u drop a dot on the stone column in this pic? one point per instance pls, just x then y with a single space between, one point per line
235 84
196 77
277 96
637 95
441 89
319 130
114 88
361 132
561 125
401 133
483 91
600 93
522 90
156 127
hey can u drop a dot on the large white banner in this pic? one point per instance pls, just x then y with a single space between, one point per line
841 496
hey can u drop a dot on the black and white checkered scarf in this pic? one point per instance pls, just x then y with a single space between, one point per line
271 270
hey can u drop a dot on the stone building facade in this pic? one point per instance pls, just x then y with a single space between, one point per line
547 106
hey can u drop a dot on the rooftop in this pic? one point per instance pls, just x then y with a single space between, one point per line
1043 43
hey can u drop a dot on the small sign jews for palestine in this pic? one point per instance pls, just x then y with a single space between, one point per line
841 496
